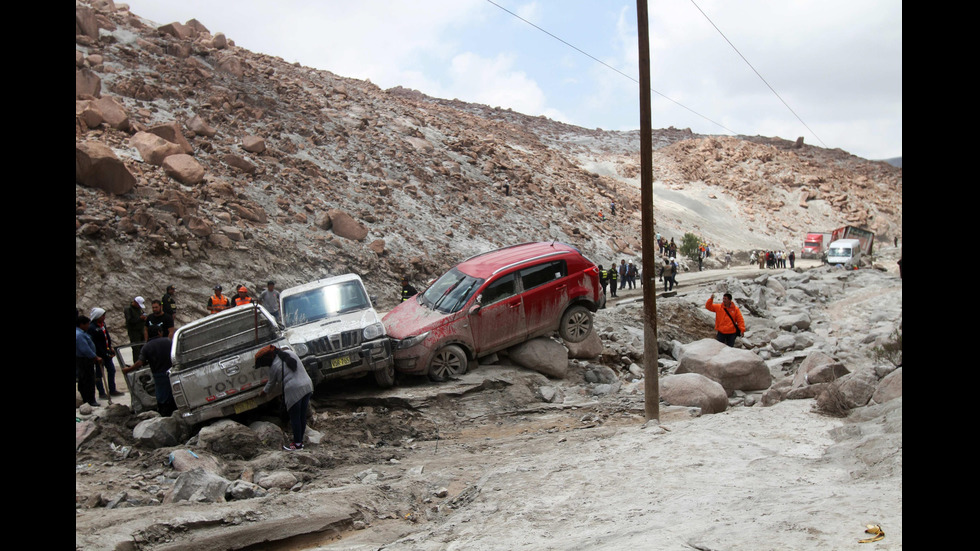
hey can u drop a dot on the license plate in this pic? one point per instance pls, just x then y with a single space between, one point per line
246 405
340 362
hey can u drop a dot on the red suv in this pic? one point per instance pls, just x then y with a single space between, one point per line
493 301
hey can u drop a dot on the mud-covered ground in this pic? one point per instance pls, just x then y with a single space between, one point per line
484 462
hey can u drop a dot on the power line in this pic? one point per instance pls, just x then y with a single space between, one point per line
757 72
583 52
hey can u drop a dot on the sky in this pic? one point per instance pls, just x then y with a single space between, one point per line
827 70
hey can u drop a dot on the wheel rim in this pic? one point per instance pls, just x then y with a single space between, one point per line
578 325
446 363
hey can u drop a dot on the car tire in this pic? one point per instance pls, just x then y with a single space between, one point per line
576 324
385 377
448 361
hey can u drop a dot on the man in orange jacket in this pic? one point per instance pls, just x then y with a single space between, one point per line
728 319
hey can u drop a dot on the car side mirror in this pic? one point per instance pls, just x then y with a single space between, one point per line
374 300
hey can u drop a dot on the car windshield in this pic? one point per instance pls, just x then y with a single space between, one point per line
451 291
839 251
323 302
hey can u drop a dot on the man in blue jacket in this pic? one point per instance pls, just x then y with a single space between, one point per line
85 359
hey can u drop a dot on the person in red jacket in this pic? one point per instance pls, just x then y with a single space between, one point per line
728 319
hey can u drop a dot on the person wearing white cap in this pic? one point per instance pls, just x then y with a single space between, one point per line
135 321
103 348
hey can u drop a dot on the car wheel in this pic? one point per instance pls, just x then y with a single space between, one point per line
576 324
385 377
448 362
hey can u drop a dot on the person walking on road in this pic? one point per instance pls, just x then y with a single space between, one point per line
285 368
729 323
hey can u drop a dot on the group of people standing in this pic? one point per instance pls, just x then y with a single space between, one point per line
95 353
775 259
619 277
268 299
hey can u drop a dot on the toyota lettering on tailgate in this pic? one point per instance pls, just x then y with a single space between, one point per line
233 385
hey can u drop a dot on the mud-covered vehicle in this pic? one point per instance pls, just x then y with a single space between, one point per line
334 329
213 373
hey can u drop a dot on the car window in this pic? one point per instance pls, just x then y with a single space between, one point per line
451 291
500 289
322 302
543 273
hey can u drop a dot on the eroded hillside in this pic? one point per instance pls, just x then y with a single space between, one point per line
243 168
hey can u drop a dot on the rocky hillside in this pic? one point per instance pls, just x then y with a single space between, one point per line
201 163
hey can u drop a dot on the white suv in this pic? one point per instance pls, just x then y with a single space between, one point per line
332 326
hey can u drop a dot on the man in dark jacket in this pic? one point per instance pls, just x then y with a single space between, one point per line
103 349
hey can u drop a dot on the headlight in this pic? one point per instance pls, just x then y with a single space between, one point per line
373 331
301 349
412 341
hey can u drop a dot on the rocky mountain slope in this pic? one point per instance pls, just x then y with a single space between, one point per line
202 163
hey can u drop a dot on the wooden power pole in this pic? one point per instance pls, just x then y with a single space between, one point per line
651 373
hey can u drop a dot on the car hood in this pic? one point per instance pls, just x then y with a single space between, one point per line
350 321
411 318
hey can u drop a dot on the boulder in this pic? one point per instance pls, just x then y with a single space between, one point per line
253 144
201 128
345 226
858 387
171 132
185 460
693 389
84 431
153 148
158 432
87 84
113 113
800 321
589 348
226 437
818 367
239 163
98 167
268 433
542 355
240 489
183 168
889 388
198 486
733 368
86 23
278 479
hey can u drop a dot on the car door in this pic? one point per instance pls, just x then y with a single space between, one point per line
499 321
545 295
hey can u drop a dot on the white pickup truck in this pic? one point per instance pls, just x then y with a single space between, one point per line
334 329
213 373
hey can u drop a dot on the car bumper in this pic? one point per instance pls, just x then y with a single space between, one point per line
370 356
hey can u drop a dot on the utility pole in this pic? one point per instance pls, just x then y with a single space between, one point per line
651 373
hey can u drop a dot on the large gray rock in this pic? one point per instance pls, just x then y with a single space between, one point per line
186 460
198 486
800 321
158 432
818 367
733 368
692 389
858 387
589 348
268 433
542 355
278 479
889 388
226 437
